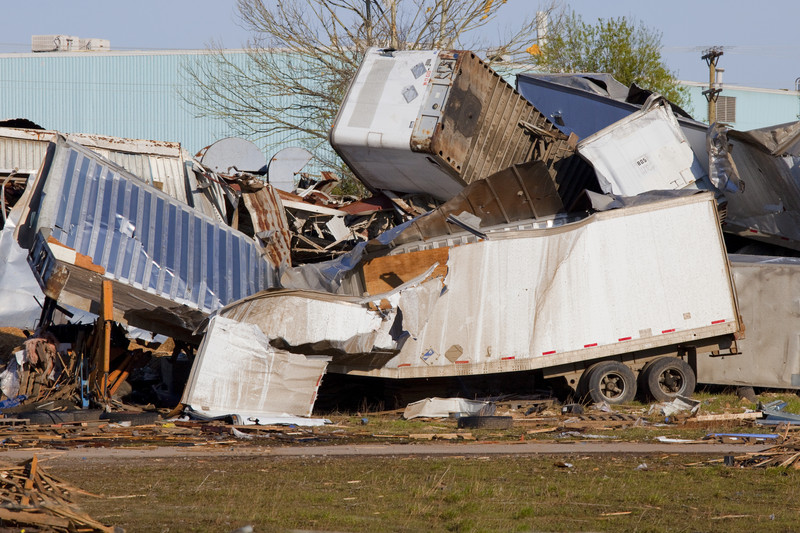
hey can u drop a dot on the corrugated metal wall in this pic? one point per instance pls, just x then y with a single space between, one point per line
121 94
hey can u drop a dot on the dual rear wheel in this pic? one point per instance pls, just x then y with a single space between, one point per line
615 383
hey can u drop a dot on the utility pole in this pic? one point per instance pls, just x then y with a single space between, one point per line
711 57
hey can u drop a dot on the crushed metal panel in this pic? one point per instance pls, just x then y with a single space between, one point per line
781 139
444 407
162 164
645 151
22 149
434 121
520 192
765 204
768 292
20 293
269 222
238 372
138 235
316 321
584 104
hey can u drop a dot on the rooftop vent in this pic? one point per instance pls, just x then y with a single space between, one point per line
67 43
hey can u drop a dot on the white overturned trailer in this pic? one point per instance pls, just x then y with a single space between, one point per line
645 288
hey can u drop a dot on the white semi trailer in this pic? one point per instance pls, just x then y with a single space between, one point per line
620 299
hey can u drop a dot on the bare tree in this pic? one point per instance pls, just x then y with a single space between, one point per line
303 54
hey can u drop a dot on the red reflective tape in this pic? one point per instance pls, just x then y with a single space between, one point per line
668 330
590 345
508 358
624 339
753 230
404 364
717 321
549 353
461 362
785 239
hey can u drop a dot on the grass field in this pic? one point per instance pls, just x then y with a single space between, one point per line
538 493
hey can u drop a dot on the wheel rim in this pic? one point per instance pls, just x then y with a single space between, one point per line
612 385
671 381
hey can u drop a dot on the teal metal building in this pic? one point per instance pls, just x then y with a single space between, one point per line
121 94
746 108
136 94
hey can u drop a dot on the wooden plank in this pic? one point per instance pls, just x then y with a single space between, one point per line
728 416
26 500
107 304
33 518
383 274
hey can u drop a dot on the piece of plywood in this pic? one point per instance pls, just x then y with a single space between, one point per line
383 274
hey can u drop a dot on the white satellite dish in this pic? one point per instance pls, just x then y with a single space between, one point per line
228 155
284 167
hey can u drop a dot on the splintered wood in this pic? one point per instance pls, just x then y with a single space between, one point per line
784 455
32 498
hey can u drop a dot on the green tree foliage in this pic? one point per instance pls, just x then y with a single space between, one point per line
618 46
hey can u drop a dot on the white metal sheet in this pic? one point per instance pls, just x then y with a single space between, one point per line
238 372
645 151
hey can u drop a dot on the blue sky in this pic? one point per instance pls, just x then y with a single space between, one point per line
761 42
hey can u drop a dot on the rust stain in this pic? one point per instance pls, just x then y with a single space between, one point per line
267 213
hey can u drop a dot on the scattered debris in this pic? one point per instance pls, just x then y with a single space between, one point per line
678 405
483 226
448 407
783 455
774 415
31 498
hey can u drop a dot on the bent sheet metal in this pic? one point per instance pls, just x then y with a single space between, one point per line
87 219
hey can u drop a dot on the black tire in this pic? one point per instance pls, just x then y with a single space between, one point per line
86 415
135 418
611 382
46 418
668 378
485 422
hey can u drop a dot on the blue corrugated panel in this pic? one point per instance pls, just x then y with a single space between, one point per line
143 237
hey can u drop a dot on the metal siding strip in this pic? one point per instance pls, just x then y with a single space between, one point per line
99 230
158 246
119 223
223 257
169 250
62 195
198 251
75 201
145 238
87 239
128 265
184 239
211 280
